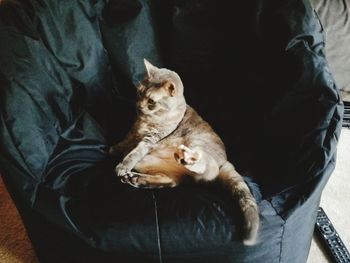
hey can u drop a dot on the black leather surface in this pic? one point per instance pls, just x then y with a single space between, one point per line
255 70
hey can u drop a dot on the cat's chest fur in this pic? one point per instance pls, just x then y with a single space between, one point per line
184 128
160 158
164 149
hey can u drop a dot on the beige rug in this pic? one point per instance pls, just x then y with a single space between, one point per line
335 199
15 246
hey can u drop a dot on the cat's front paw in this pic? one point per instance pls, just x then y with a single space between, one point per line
121 170
185 156
134 179
128 178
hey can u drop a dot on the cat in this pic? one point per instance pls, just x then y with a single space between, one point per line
169 141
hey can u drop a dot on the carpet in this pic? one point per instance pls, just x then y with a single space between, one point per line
335 199
15 246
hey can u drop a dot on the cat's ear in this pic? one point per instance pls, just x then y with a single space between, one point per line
150 69
170 87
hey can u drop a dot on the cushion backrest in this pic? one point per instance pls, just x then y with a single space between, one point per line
52 64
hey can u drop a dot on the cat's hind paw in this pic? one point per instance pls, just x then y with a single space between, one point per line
121 170
185 156
146 181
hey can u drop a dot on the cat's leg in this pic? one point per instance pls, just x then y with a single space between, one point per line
139 152
235 183
132 158
140 180
205 168
202 165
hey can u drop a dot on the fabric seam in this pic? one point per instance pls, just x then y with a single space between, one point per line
157 228
283 230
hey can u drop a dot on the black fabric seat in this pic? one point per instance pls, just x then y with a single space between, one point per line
256 71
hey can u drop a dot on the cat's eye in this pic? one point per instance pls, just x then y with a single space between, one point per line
150 101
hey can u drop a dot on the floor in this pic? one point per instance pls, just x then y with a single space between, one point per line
15 246
335 199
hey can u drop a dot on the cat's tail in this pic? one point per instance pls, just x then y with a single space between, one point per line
232 180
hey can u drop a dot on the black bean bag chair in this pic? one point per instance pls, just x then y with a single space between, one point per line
255 70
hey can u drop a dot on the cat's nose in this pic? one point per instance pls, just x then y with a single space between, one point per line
182 161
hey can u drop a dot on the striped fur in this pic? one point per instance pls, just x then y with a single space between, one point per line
170 141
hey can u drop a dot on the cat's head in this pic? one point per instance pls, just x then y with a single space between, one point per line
160 91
